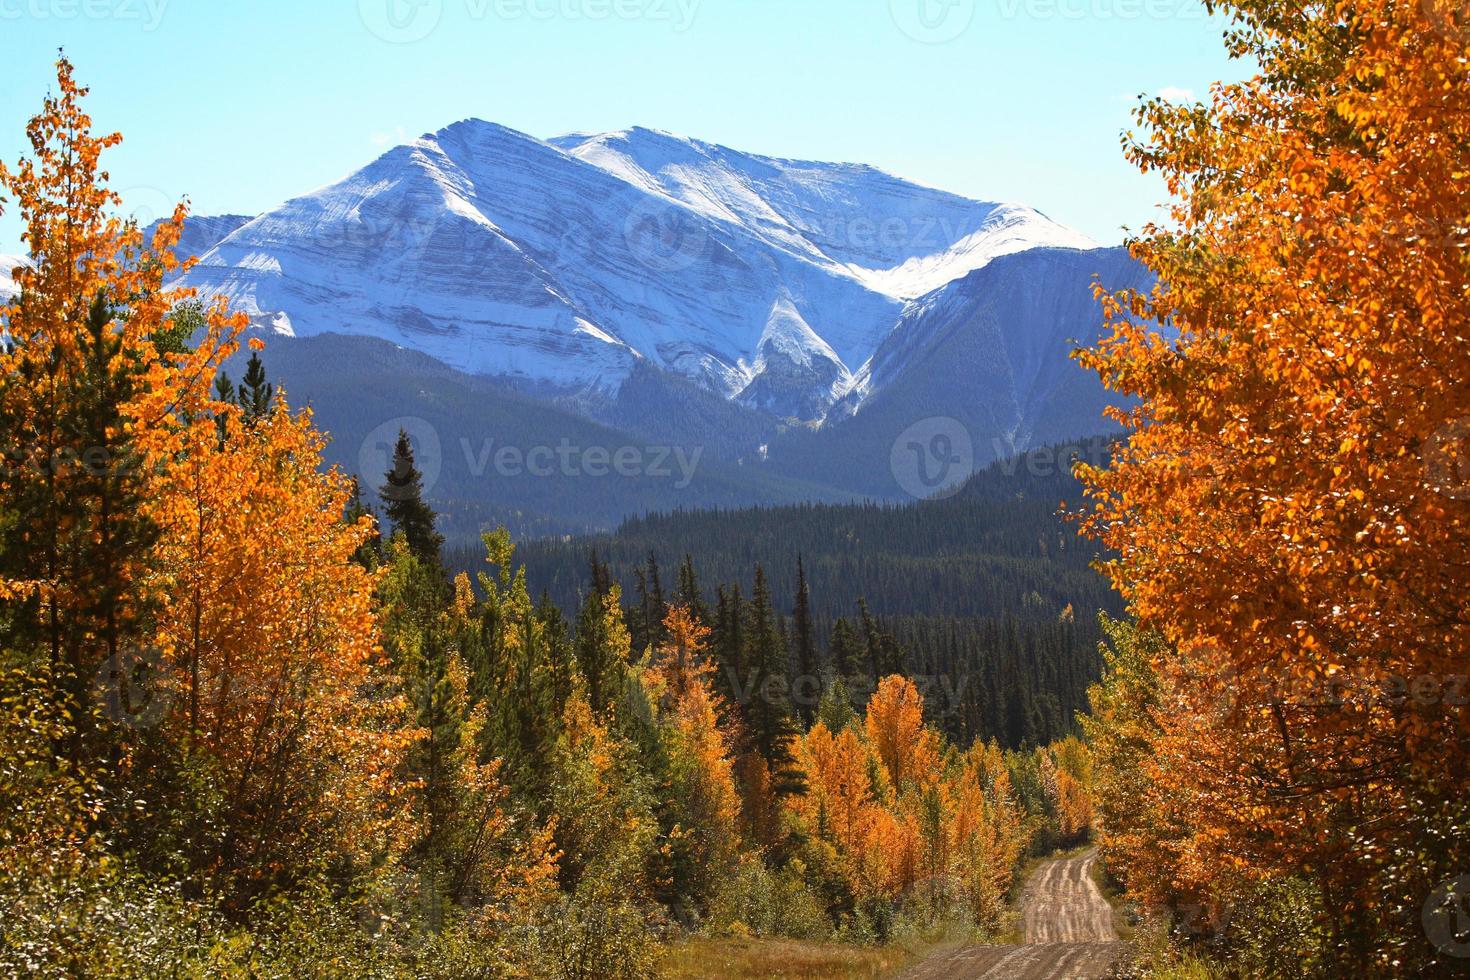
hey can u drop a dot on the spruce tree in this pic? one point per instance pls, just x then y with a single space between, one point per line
846 649
689 595
602 648
109 544
367 554
224 391
402 494
729 647
805 639
75 488
654 605
768 710
835 710
872 640
255 394
601 574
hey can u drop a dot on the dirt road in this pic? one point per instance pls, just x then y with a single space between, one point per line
1068 927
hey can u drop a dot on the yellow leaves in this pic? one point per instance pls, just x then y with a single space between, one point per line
1337 276
895 727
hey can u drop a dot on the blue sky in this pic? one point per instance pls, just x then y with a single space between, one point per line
241 104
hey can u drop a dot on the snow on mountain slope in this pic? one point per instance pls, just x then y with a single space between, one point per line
8 264
567 262
898 237
202 232
987 357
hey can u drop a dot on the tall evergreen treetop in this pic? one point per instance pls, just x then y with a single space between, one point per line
403 500
255 394
804 635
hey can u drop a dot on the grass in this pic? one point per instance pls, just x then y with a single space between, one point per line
739 957
1123 912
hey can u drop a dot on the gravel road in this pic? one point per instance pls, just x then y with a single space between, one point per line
1068 927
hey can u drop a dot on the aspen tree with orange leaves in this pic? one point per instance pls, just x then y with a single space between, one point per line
1290 510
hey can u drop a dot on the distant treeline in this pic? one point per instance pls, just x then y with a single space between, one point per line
985 598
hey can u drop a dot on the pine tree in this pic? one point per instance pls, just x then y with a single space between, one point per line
729 648
603 645
768 710
805 640
689 594
402 494
872 640
651 607
255 394
845 650
367 554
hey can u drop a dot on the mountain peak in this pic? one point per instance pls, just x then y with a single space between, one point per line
563 262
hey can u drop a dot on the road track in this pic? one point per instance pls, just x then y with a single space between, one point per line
1068 930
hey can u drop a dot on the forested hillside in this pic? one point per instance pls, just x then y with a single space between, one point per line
249 728
986 596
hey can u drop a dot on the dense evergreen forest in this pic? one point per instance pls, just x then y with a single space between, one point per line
986 598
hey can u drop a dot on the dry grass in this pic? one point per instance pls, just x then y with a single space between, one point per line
704 958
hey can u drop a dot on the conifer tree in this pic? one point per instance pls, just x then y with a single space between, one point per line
689 594
729 647
845 650
367 554
835 709
648 630
603 645
806 644
402 493
255 394
768 710
872 639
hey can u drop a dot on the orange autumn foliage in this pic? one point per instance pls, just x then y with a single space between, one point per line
947 829
269 631
895 726
78 552
157 526
700 752
1291 510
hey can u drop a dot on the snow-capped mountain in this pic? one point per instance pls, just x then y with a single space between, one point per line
562 264
8 265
